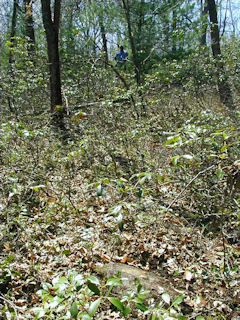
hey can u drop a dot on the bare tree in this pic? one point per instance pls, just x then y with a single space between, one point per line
174 28
51 22
103 35
232 18
126 8
204 12
223 84
29 25
13 29
12 44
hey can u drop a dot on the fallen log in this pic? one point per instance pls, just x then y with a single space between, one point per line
149 280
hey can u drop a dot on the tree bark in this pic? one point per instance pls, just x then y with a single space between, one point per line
174 29
12 44
70 35
140 22
104 39
29 25
215 39
13 29
51 26
131 39
204 11
222 79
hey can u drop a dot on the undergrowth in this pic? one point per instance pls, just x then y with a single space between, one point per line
154 184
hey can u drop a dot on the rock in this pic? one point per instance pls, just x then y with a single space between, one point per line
149 280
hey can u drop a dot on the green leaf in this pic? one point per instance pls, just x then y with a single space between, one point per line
93 288
200 318
117 303
140 298
55 302
60 308
58 108
139 287
187 156
141 181
66 252
36 188
120 222
126 311
141 307
148 176
172 141
40 312
166 298
85 316
74 310
99 190
220 173
116 209
140 193
9 259
94 306
114 282
178 300
94 280
225 147
59 280
223 156
175 160
225 136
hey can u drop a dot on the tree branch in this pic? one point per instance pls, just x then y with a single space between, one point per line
191 181
57 13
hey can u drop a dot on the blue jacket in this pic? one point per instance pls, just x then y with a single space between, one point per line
121 56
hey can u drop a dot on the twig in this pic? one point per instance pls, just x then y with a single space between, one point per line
126 85
87 104
66 101
200 313
191 181
12 305
224 253
92 104
152 50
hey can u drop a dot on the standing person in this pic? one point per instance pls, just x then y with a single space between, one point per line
121 56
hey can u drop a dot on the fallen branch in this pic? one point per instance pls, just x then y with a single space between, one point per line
191 181
89 104
125 84
66 102
12 305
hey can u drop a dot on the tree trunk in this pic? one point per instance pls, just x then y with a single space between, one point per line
223 84
204 11
104 40
166 32
174 30
51 26
70 35
131 39
13 29
140 23
215 39
13 41
29 25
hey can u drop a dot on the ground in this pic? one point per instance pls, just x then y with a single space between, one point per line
141 189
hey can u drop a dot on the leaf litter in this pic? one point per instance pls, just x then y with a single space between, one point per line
78 229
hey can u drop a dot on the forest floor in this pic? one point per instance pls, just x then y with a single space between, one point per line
151 190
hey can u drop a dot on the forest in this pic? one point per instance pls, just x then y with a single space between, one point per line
120 159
